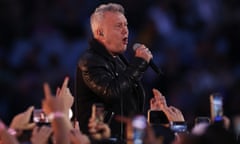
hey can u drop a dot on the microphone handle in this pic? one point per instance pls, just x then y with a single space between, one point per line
155 68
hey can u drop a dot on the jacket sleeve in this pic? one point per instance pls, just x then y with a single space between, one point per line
101 78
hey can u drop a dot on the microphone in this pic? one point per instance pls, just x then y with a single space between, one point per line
151 63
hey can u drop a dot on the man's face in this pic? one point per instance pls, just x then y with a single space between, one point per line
115 32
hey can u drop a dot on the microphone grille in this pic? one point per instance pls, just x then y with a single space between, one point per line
136 45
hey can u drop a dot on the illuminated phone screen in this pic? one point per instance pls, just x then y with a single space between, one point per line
216 103
139 124
98 112
178 127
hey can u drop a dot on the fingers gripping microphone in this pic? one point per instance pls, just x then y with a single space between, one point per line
151 63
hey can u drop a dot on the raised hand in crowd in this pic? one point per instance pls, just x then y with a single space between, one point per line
159 103
97 128
61 103
54 108
77 137
65 94
173 113
22 120
5 136
41 135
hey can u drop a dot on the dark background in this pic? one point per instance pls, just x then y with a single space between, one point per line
195 42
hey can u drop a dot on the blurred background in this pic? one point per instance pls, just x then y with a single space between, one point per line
194 42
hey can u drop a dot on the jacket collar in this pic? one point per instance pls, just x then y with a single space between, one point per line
99 48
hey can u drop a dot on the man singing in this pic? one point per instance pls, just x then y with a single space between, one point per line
105 76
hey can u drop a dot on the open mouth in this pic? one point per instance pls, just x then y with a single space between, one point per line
125 40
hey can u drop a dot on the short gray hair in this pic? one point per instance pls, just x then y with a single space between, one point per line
98 14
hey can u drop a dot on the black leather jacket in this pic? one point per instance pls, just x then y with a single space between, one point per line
102 78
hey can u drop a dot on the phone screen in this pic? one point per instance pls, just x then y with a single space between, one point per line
157 117
98 112
178 127
139 124
40 118
216 107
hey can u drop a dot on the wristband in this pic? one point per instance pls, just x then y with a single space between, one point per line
55 115
11 131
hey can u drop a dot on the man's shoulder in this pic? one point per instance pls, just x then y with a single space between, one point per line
91 58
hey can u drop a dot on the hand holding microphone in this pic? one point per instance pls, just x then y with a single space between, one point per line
143 52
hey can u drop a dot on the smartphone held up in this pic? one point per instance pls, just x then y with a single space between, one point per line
139 124
157 117
216 106
98 112
40 118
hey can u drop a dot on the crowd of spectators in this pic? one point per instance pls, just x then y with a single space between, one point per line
195 42
54 125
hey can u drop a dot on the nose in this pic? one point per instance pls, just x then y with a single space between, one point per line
125 30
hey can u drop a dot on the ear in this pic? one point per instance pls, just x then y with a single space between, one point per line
100 32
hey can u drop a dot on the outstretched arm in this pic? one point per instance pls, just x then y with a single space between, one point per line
22 120
53 107
5 136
